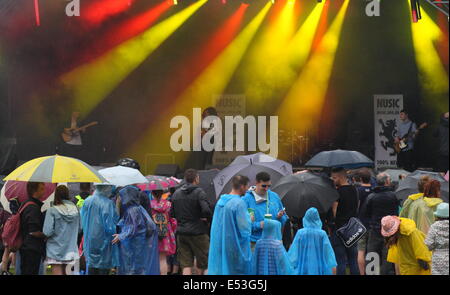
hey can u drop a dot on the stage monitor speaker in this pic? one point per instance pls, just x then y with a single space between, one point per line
167 169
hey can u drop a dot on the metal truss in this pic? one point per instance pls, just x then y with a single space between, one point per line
441 5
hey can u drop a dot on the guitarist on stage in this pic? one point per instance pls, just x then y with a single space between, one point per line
406 131
74 146
76 135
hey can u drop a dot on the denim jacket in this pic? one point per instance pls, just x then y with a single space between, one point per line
61 226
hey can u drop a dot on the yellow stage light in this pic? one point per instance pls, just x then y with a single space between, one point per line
93 82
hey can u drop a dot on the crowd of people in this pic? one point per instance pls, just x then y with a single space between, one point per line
123 230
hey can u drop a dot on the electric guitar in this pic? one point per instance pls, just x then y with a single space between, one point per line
68 133
403 143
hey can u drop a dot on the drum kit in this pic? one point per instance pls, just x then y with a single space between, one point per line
294 145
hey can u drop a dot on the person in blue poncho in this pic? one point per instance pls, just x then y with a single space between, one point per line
229 249
311 252
263 201
138 237
99 220
270 256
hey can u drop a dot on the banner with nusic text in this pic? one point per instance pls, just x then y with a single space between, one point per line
228 105
387 108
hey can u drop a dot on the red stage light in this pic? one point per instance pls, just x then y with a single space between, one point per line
125 31
101 10
36 12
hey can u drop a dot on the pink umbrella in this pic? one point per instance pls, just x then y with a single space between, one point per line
18 189
446 176
173 181
154 183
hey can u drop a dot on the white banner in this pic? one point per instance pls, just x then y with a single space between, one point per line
387 108
228 105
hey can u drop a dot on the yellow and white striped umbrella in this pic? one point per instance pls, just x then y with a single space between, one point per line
56 169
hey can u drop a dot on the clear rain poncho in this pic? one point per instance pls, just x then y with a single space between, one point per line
99 220
270 256
311 252
138 237
229 251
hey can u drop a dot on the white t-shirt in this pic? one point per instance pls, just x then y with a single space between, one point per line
76 136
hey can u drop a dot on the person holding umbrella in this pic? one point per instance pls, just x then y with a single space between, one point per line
31 225
262 201
343 209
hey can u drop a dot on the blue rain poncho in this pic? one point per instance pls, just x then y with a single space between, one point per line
99 220
229 250
261 209
270 256
138 237
311 252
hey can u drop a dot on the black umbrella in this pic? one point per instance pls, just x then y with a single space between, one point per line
222 181
340 158
301 191
207 184
408 186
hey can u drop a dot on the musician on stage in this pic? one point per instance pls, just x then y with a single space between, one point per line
406 130
74 146
207 157
441 133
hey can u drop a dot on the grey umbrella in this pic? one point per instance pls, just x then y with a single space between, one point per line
395 173
340 158
207 184
246 165
264 160
301 191
408 186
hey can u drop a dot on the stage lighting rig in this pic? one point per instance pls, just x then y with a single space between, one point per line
415 10
441 5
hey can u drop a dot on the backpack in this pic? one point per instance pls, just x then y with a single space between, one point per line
11 234
161 221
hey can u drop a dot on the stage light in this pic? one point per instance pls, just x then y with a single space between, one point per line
212 81
261 80
36 12
303 104
97 12
175 2
432 75
94 81
415 10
